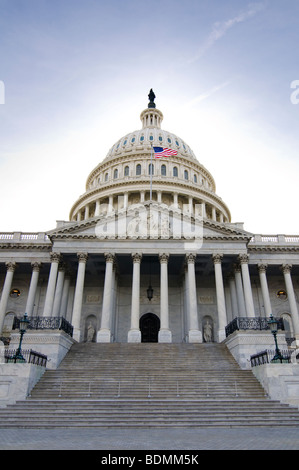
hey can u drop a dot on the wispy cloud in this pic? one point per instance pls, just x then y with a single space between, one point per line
220 28
207 94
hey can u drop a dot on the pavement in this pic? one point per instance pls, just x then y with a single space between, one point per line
150 439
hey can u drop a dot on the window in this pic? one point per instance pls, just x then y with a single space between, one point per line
169 140
195 178
186 176
138 169
14 293
151 137
106 177
133 140
125 142
160 138
151 169
163 170
115 173
175 171
126 171
142 138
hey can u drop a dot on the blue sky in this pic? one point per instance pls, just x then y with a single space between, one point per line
75 77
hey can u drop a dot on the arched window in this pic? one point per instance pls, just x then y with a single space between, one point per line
151 169
186 175
163 170
138 169
175 171
106 177
195 178
115 173
126 171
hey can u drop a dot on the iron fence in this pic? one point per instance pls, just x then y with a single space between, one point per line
46 323
267 356
30 357
251 323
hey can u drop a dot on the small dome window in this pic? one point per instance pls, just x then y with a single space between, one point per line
106 177
169 140
175 171
163 170
14 293
133 140
126 171
125 142
151 137
160 138
195 178
138 169
115 174
177 143
186 176
142 138
151 169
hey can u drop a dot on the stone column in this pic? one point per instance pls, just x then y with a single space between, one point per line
58 290
265 291
65 295
165 335
247 285
233 296
32 288
134 334
10 269
286 269
104 334
222 320
240 292
78 298
194 335
55 258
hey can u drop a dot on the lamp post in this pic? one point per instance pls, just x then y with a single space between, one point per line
24 322
273 323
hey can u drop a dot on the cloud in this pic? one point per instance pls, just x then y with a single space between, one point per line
219 28
207 94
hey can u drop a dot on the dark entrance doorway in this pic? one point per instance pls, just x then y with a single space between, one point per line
149 327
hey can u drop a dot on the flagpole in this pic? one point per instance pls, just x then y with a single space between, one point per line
151 172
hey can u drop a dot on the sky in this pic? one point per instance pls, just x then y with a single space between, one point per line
75 76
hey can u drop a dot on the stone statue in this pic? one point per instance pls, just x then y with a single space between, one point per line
207 332
151 97
90 333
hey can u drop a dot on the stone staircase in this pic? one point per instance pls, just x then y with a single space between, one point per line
148 385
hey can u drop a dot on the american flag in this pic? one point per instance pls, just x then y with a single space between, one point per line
164 152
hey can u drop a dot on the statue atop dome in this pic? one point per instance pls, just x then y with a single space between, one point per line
151 97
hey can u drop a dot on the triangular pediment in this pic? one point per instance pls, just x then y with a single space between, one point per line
159 224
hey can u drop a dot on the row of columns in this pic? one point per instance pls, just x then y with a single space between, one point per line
193 207
58 285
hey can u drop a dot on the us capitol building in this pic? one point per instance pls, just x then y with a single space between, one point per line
149 254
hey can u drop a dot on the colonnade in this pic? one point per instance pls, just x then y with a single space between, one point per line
239 285
192 205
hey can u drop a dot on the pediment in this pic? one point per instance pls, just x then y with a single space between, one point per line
136 226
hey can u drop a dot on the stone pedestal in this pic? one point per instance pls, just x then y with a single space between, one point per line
164 336
54 344
134 336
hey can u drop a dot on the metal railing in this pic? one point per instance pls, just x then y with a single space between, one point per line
30 357
250 323
46 323
267 357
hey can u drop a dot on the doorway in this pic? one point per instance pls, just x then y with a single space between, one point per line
149 327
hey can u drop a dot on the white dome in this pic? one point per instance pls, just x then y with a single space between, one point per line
125 172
